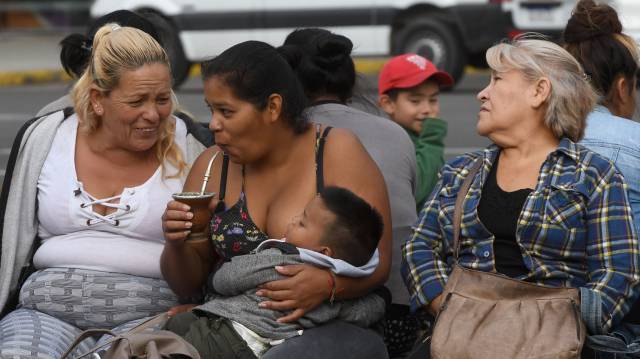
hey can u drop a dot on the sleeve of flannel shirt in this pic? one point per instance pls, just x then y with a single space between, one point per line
612 248
423 268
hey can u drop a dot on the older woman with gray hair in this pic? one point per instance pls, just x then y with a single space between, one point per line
537 208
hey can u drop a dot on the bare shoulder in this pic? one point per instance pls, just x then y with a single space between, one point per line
347 163
199 167
206 155
340 140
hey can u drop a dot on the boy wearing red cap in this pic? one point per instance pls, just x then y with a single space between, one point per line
408 88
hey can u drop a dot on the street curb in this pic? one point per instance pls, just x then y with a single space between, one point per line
365 66
18 78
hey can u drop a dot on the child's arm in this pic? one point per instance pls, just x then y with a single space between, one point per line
429 156
248 271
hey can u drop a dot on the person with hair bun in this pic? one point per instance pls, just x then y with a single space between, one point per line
594 36
322 61
83 199
610 60
540 208
75 50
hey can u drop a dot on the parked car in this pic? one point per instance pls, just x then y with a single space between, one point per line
449 32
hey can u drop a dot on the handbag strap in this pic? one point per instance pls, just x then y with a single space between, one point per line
84 335
458 211
149 323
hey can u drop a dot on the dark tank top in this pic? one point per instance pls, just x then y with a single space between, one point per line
232 230
499 211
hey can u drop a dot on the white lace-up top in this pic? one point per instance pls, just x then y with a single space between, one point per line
129 240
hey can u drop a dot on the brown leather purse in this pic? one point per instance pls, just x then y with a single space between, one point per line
139 342
489 315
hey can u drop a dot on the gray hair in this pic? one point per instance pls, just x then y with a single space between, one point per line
571 98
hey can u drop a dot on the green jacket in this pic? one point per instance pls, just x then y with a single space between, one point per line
429 156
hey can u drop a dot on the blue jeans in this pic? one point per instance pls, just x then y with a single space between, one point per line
623 342
332 340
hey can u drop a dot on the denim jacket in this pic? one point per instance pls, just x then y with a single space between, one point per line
617 139
575 230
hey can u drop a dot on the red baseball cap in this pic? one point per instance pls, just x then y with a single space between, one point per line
409 70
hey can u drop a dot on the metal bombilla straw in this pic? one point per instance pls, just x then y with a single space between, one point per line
207 173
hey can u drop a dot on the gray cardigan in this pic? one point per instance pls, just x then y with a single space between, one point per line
236 282
19 194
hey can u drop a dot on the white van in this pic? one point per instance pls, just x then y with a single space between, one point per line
551 16
449 32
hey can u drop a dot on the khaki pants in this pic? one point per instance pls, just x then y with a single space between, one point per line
213 336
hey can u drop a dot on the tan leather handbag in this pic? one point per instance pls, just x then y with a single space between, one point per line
138 343
489 315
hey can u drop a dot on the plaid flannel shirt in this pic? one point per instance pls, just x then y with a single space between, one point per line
575 230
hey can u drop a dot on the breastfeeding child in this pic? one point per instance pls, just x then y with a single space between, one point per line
338 231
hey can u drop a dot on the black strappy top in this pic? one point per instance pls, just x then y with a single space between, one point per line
232 230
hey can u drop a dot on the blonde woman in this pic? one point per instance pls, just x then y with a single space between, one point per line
541 209
85 197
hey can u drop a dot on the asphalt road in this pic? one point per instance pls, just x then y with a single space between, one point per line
459 107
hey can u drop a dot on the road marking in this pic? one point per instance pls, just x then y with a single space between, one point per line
18 78
363 65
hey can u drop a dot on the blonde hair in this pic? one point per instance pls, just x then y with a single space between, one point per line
116 50
631 45
571 97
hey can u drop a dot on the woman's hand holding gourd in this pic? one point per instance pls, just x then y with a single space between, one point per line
176 222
